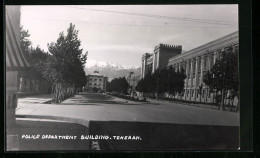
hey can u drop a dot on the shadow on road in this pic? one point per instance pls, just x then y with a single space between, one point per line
97 99
163 136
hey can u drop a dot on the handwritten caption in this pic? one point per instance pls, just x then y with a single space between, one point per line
81 137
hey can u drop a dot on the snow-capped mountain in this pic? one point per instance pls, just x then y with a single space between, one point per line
110 69
100 64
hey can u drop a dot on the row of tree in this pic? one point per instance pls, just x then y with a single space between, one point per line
119 85
161 81
62 65
222 79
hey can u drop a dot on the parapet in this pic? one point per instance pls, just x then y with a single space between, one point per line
146 55
168 46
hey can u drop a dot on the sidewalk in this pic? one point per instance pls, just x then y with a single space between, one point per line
125 101
30 104
185 104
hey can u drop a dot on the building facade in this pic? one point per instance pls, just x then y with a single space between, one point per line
159 58
14 61
96 82
197 62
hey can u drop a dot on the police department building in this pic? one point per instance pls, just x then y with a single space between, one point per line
195 62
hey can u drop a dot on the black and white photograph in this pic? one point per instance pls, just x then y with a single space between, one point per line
122 78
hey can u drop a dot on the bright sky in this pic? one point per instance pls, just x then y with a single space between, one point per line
122 33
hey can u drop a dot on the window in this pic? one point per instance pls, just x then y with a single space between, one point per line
90 84
199 77
199 64
194 65
95 79
100 79
205 62
211 59
235 47
183 66
189 67
90 79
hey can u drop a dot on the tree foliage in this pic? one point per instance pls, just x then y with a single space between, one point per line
223 75
163 80
34 56
65 66
119 85
25 43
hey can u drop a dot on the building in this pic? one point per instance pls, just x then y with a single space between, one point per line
159 58
14 62
132 80
196 63
96 82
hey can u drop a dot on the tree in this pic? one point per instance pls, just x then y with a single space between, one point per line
65 67
119 85
175 81
34 56
25 43
223 75
140 87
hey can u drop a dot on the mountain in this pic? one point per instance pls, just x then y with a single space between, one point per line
111 70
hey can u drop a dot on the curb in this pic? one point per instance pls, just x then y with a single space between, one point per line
58 118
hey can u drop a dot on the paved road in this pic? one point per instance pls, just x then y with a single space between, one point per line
87 106
161 125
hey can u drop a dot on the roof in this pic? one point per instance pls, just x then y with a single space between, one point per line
15 60
96 73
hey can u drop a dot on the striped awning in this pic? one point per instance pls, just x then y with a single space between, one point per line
15 60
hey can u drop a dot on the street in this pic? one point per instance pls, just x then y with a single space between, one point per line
100 107
128 125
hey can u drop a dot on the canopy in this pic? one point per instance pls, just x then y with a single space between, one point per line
15 60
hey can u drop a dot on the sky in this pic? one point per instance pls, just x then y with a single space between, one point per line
122 33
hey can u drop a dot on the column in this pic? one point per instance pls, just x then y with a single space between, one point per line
201 69
154 59
142 67
191 77
215 56
196 77
186 80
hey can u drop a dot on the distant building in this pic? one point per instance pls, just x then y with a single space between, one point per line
159 58
96 82
195 62
132 80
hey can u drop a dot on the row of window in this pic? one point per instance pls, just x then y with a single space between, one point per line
205 92
94 84
207 62
95 79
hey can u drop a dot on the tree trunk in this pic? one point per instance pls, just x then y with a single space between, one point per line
222 99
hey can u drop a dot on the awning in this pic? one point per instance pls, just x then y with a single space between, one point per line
15 60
